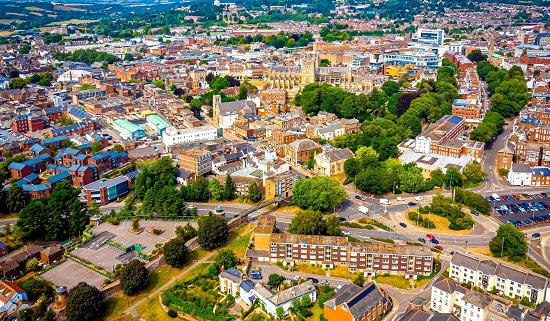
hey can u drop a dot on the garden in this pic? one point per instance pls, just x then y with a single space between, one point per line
200 298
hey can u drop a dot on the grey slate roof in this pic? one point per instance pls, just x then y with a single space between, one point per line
480 300
465 261
232 274
447 285
358 300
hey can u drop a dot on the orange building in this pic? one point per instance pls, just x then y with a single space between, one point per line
353 303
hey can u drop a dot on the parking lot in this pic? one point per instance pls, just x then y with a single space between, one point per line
70 273
522 210
9 136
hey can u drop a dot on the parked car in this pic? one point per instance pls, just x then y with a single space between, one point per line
474 213
346 232
403 224
256 268
535 235
434 241
418 198
314 280
421 239
341 219
430 236
357 197
411 203
325 282
439 247
256 276
452 252
400 198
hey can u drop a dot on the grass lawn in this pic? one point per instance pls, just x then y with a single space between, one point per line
152 310
342 272
239 246
72 21
27 276
481 250
394 280
441 225
125 317
305 268
317 311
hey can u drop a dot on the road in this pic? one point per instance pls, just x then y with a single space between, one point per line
7 221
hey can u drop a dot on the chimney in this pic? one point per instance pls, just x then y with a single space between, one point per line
242 276
222 269
281 287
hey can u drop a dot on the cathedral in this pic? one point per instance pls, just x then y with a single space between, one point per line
297 77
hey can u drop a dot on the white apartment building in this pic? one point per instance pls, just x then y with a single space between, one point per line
489 275
446 294
173 136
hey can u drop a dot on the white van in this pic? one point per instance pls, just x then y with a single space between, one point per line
496 197
363 209
385 201
418 198
400 198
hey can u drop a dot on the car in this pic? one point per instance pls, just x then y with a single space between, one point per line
346 232
452 253
256 268
400 198
325 282
438 247
357 197
434 241
314 280
411 203
403 224
421 239
474 213
256 276
535 235
338 288
430 236
516 196
418 198
341 219
503 197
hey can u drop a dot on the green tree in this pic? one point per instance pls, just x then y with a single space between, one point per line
332 226
173 87
515 245
159 83
216 189
15 198
318 193
359 280
453 178
275 279
437 177
32 264
17 83
118 148
212 231
390 87
474 173
280 313
84 303
226 258
228 189
96 147
254 192
133 277
175 252
128 57
411 179
186 232
308 223
305 301
195 103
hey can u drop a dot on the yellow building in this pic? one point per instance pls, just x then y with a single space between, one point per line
397 71
331 162
264 228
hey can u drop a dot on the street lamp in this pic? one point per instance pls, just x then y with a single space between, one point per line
533 219
502 248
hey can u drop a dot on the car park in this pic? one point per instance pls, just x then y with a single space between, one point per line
421 239
438 247
403 224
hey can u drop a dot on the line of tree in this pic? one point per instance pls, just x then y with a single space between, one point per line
279 41
55 217
445 207
88 56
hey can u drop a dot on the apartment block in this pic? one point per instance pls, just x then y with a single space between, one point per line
281 185
196 160
490 275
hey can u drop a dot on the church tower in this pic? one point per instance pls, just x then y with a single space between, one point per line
309 65
216 100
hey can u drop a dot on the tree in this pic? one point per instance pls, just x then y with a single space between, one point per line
84 303
175 252
216 189
173 87
118 148
229 189
474 173
305 301
515 245
32 264
16 198
476 56
226 258
280 313
390 87
159 83
359 280
453 178
332 226
133 277
212 231
96 147
254 192
135 223
17 83
309 223
318 193
186 232
275 279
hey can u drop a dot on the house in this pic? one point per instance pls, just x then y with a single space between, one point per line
246 292
230 280
12 298
446 294
302 150
272 300
331 161
184 177
357 303
18 170
475 306
142 154
104 191
51 254
520 175
419 315
3 249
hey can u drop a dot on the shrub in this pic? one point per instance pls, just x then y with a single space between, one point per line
503 172
348 180
156 231
173 314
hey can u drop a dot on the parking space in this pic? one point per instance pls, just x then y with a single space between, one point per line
70 273
9 136
98 241
522 210
104 257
